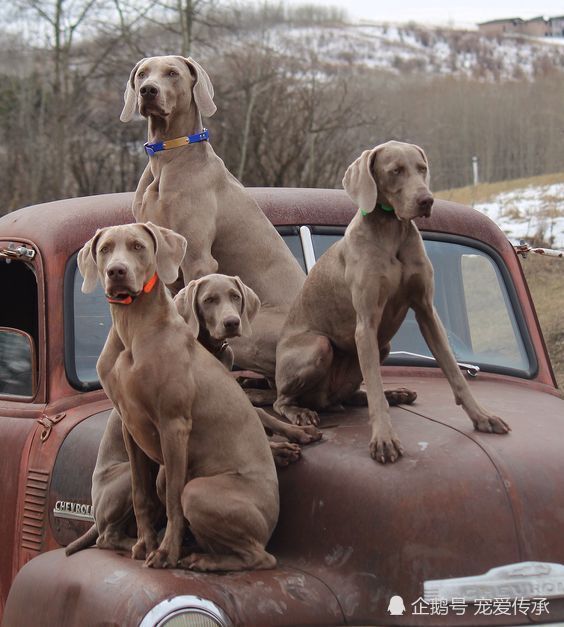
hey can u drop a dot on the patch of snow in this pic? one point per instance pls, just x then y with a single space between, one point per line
527 212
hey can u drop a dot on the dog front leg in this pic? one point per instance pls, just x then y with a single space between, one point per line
384 444
174 434
434 333
300 434
144 182
144 497
199 261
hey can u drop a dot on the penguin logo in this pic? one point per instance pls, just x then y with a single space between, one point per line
396 606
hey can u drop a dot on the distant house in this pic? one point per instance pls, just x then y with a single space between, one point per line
535 27
501 27
557 26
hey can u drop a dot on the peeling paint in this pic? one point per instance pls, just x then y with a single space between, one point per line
339 555
116 576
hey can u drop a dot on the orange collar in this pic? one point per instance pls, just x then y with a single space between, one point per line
129 299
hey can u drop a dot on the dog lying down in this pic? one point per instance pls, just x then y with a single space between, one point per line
172 394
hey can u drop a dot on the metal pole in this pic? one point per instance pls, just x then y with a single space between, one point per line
475 170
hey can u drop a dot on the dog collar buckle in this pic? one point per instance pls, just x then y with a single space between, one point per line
127 300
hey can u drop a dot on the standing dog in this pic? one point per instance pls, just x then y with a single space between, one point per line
358 294
172 395
187 188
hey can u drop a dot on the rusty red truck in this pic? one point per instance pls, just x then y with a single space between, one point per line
466 529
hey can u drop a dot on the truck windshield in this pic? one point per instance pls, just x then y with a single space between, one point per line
472 298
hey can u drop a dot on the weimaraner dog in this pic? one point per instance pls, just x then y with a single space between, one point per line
215 307
187 188
358 294
171 394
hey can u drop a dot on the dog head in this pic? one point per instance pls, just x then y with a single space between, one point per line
394 174
162 86
223 305
124 258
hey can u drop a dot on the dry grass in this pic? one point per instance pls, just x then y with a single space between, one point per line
545 276
545 279
484 192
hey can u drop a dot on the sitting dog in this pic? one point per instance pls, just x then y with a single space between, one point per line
358 294
171 395
216 308
186 187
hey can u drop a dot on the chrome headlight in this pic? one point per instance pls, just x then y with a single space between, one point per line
186 611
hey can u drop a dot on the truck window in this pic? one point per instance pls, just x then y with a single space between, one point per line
471 296
19 312
19 296
472 299
473 302
88 320
87 324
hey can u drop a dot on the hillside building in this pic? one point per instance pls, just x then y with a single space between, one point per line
535 27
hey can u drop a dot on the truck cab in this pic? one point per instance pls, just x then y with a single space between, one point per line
462 516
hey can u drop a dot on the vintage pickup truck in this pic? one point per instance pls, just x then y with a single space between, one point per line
466 529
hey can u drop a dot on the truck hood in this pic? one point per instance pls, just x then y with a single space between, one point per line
458 504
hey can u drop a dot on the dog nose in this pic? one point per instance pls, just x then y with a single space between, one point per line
424 204
116 271
149 91
232 323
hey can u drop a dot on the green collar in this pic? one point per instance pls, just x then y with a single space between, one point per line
386 208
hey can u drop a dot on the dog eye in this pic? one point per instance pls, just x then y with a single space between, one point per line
103 250
141 75
209 300
235 297
138 246
397 171
173 73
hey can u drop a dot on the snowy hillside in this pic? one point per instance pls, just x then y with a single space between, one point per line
529 213
419 49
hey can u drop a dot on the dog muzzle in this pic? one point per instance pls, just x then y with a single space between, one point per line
127 300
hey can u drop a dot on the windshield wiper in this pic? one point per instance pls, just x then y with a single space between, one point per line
471 369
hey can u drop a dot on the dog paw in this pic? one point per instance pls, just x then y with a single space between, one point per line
300 416
400 396
385 449
143 547
487 423
285 453
194 561
161 558
305 417
305 434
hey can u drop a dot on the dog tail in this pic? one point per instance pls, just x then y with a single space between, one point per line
85 540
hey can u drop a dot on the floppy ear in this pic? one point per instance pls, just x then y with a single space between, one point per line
428 176
359 182
249 308
129 96
202 89
170 249
87 263
187 304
